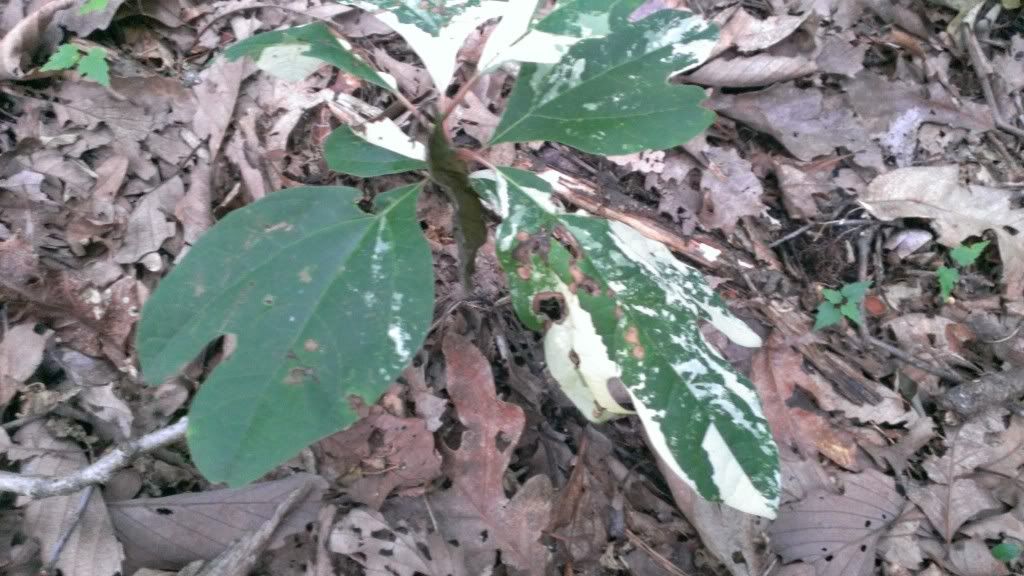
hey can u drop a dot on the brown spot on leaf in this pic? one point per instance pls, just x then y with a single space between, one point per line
305 275
574 358
268 300
297 375
638 352
524 272
522 236
632 335
311 345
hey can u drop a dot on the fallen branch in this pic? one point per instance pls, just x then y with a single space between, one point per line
98 472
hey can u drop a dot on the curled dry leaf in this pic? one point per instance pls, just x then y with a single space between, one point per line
949 506
731 190
752 71
92 549
20 43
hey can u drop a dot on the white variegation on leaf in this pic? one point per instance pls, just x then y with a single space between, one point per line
435 30
617 306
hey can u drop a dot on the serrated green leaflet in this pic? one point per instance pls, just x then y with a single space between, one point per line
93 66
611 95
325 301
64 58
828 315
948 277
351 153
966 255
431 16
616 305
294 53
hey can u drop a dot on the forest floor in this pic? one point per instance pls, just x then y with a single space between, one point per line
856 141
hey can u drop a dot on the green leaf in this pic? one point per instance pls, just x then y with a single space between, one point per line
828 315
1011 4
91 6
851 309
855 292
948 277
449 172
294 53
93 66
352 153
64 58
611 95
966 255
617 306
1006 552
588 18
833 296
325 302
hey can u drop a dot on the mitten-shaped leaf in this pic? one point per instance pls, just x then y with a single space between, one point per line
324 301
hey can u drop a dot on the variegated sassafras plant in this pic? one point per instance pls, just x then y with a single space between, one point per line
291 275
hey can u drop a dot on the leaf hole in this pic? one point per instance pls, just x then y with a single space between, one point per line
164 511
549 304
384 534
502 441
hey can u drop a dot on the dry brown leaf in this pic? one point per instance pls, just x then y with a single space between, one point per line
996 527
21 351
808 123
645 162
380 454
949 506
195 209
731 190
838 533
107 410
367 537
167 533
92 549
839 55
957 212
776 373
761 34
475 510
752 71
18 45
215 98
412 80
799 188
902 544
149 224
982 442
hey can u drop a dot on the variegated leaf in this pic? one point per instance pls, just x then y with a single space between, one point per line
610 95
294 53
435 29
616 305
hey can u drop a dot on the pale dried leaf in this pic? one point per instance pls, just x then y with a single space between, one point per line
107 408
195 209
92 549
957 211
367 537
148 225
948 507
167 533
215 96
21 351
838 533
972 557
731 190
761 34
983 441
799 189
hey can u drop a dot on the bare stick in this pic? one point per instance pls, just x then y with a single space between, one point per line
68 530
98 472
983 69
914 361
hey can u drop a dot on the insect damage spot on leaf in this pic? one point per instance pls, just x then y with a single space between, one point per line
305 275
549 304
311 345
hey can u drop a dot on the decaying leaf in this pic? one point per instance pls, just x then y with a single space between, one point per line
837 533
20 42
21 351
475 509
382 549
92 549
957 211
170 532
731 191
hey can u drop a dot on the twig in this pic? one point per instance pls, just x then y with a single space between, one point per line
983 70
915 362
98 472
806 227
48 568
863 255
660 560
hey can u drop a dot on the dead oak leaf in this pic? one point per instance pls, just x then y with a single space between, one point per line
957 211
731 190
367 537
475 510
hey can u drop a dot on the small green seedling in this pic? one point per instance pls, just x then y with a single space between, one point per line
963 256
839 303
1006 552
92 65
